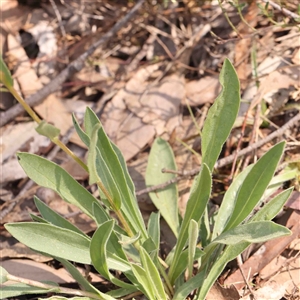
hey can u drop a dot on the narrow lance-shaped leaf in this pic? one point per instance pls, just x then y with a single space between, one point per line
268 212
193 235
90 120
52 240
80 279
48 174
228 203
154 228
19 289
5 76
165 200
253 232
86 140
3 275
152 275
196 205
145 286
100 172
273 207
221 116
124 184
53 217
100 243
255 185
129 208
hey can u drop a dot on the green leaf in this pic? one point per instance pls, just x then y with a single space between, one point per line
268 212
154 228
83 136
38 219
129 240
18 289
5 76
48 174
116 164
100 214
253 232
196 205
144 285
165 200
255 184
100 172
228 203
54 218
273 207
129 206
73 298
221 116
183 261
3 275
90 120
192 244
105 249
47 130
124 167
120 293
52 240
277 181
152 275
86 140
186 288
230 253
83 282
98 248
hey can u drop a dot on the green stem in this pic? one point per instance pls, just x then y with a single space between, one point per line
117 211
28 109
70 153
227 18
55 140
242 17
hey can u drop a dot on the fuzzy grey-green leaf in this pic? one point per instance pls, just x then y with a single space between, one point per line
48 174
221 116
52 240
165 200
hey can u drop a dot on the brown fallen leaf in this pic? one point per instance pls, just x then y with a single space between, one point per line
270 291
33 270
204 90
221 293
157 105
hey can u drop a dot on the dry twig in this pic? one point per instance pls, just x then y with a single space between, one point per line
229 159
284 10
71 69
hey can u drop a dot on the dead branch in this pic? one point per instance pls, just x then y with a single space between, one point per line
71 69
229 159
284 10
